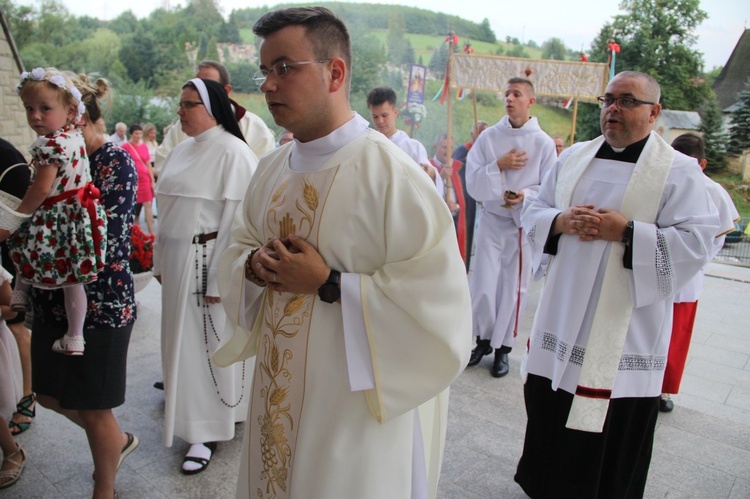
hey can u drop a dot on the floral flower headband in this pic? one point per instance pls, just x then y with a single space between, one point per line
40 74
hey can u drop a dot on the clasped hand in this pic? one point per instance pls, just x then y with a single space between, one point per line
591 224
291 265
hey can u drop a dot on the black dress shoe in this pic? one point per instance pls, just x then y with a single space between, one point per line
665 404
483 348
159 385
500 367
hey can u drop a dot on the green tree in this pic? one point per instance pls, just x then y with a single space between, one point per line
21 19
712 127
124 24
518 51
368 61
439 60
656 37
400 51
554 48
739 130
486 33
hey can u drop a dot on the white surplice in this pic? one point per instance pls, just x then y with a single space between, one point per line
502 262
199 193
728 215
350 398
666 254
416 151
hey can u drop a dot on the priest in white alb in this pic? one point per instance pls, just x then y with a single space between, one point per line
348 288
627 222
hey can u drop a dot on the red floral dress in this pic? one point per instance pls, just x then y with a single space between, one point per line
59 245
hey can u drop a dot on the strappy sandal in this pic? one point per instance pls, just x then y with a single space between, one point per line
13 475
200 460
26 407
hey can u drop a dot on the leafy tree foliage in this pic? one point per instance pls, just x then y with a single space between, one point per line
554 48
439 60
739 131
486 32
400 51
518 51
712 127
368 62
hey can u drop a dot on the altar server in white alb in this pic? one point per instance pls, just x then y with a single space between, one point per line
505 166
198 194
349 288
686 299
628 222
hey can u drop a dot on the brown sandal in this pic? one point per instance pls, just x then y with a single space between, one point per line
13 475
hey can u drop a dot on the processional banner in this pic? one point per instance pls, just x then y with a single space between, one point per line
583 80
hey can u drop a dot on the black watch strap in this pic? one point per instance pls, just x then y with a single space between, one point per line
627 234
330 291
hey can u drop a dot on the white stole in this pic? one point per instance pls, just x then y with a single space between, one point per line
612 317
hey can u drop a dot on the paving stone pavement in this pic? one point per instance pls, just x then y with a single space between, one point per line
701 450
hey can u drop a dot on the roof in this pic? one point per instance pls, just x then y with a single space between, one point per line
736 72
683 120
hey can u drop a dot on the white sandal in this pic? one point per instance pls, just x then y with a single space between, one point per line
13 475
19 301
69 345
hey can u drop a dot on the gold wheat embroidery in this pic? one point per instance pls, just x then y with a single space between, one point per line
276 452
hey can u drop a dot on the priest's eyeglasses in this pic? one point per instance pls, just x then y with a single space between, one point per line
622 102
280 69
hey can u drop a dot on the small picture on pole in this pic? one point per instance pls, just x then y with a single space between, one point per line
416 84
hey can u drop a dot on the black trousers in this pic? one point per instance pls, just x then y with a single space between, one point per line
563 463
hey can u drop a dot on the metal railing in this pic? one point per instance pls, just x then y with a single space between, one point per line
736 250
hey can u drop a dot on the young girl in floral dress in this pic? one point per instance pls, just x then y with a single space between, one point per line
62 240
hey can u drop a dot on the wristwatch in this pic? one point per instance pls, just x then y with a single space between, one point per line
627 234
330 291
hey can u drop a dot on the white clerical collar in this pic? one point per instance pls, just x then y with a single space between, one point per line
438 162
311 156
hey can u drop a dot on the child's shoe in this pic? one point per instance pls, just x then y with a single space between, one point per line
69 345
19 301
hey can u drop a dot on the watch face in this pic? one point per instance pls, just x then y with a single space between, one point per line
329 293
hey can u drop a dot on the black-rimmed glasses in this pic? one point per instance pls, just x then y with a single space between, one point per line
186 105
280 69
622 102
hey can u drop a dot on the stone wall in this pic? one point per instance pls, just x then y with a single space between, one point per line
13 126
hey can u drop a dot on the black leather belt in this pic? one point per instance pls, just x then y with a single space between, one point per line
204 238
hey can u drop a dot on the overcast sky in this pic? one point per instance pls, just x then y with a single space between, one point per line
576 22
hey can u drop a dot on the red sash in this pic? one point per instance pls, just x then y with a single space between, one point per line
88 195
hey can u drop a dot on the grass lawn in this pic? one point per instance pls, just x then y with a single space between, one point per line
733 184
425 45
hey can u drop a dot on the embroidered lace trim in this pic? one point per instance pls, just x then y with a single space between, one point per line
664 270
629 362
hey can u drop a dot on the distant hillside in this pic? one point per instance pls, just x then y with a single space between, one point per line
425 30
375 16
